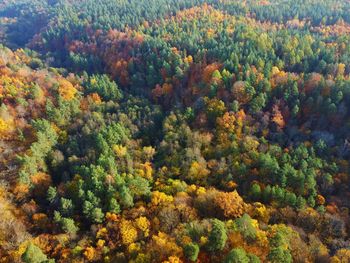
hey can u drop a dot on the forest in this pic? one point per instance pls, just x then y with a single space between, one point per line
175 131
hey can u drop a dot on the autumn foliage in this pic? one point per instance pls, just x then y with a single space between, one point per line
174 131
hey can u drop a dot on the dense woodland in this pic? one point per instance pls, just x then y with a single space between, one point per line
174 131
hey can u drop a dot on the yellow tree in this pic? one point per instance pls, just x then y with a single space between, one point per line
128 232
198 171
66 89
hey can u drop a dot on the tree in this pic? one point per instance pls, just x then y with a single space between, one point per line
67 206
290 199
246 228
217 236
69 226
66 90
300 202
33 254
255 192
216 77
253 258
279 254
215 108
114 206
126 199
90 253
234 106
237 255
258 103
198 172
342 255
277 117
51 195
93 213
103 86
139 187
191 251
279 248
143 224
230 204
128 232
242 91
215 203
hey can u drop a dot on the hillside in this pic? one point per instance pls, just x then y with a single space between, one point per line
174 131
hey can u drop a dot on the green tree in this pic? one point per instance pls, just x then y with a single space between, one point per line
51 194
301 202
69 226
67 207
237 255
92 212
279 254
114 206
290 199
255 192
217 236
191 251
245 227
33 254
102 85
66 224
253 258
258 103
